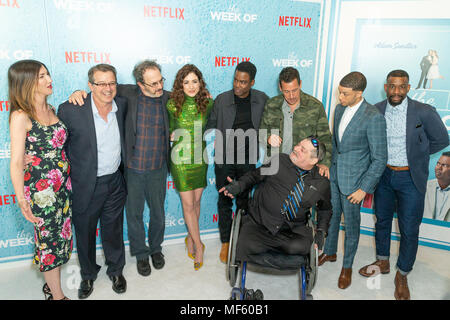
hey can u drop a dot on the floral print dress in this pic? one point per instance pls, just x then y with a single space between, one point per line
48 190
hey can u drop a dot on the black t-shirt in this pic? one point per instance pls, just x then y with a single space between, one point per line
243 120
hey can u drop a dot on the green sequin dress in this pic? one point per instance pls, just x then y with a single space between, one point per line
187 166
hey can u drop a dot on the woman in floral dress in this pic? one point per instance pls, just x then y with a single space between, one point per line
43 189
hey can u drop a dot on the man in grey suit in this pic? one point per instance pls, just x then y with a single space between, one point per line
414 130
147 145
437 198
236 115
359 157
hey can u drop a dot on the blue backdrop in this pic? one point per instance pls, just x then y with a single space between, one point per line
71 36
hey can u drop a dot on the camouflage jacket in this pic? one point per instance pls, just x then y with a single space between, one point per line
309 119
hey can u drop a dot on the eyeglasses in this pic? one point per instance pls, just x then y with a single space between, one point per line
103 85
443 165
155 84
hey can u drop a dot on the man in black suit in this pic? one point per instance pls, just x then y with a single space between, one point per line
425 65
96 150
147 162
236 115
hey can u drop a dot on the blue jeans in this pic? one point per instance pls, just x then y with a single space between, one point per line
352 219
149 187
396 192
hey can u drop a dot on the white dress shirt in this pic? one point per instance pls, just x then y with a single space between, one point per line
347 117
108 140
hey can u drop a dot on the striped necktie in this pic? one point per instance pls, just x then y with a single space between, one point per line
292 203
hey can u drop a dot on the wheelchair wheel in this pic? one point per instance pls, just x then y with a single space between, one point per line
312 272
232 266
235 294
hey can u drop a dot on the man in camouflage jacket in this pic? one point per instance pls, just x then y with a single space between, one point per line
307 114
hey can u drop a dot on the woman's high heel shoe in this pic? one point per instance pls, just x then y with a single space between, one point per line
190 255
198 265
47 293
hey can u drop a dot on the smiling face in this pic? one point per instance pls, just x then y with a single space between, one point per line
396 90
103 95
44 83
304 155
191 85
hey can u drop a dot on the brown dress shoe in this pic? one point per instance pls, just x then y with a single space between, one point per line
345 279
324 258
401 287
224 252
379 266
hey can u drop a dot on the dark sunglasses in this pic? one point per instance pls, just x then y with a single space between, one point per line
314 142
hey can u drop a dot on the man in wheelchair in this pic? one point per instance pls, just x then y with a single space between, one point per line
280 207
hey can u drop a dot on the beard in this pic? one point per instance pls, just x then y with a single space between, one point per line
396 102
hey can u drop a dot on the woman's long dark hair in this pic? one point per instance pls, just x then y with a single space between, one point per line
178 96
22 82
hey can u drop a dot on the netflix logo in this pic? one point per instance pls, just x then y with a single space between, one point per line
9 3
229 61
286 21
170 185
87 57
163 12
4 106
7 199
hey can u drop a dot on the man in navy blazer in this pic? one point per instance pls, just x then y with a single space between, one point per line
414 131
358 160
147 163
96 151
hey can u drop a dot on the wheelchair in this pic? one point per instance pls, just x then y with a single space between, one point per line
305 266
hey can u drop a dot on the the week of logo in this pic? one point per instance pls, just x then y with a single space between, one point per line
70 36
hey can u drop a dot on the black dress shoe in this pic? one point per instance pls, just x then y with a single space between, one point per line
158 260
143 267
119 283
86 288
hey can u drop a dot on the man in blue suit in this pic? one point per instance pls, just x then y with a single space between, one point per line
359 157
414 131
96 150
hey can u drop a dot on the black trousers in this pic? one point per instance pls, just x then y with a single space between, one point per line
225 204
106 205
255 239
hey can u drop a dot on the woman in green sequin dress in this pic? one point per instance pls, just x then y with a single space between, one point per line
189 107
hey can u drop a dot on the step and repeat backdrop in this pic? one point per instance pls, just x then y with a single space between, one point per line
379 37
70 36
